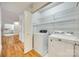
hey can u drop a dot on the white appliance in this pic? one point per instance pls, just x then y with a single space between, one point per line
41 43
61 45
76 51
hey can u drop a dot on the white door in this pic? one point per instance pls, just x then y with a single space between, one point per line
59 48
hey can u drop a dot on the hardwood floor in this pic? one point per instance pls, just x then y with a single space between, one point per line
32 53
13 47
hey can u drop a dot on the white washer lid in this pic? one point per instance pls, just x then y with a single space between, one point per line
64 36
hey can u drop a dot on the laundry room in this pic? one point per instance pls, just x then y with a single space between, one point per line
39 29
53 23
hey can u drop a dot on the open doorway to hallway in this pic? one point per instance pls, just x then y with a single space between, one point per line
16 28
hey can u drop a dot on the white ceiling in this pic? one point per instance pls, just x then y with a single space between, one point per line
11 10
16 7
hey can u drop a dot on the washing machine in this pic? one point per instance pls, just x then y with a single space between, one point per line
61 45
41 43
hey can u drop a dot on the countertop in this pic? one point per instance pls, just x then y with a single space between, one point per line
64 36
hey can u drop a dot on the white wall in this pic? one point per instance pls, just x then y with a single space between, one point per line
21 27
0 32
8 16
63 17
26 30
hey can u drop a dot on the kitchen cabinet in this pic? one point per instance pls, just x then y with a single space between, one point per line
60 48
